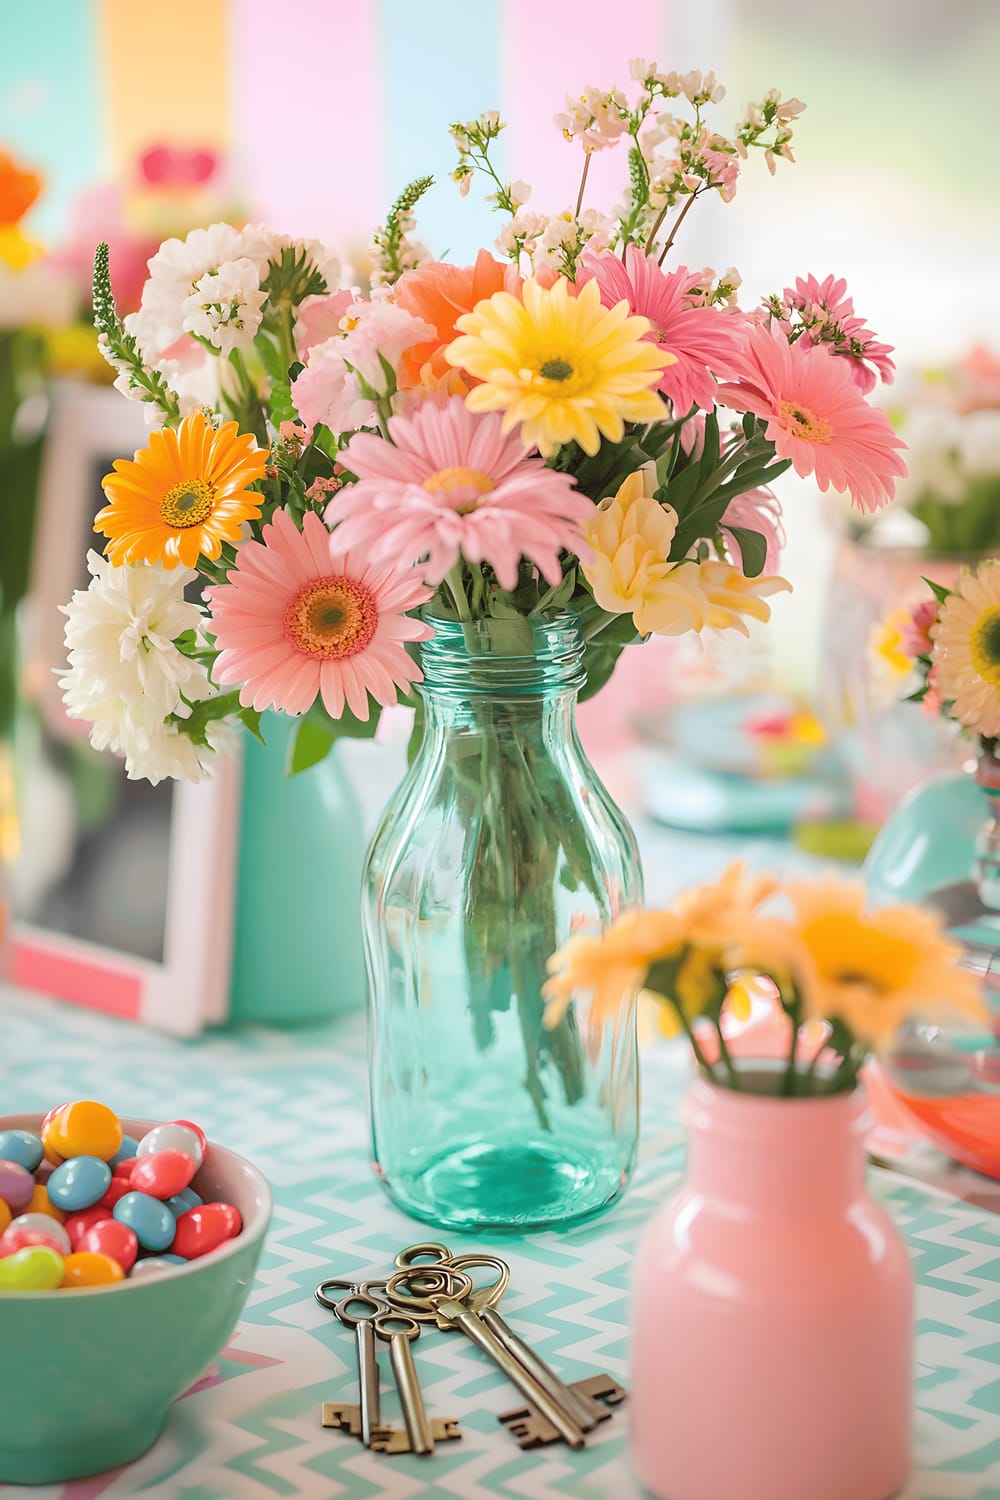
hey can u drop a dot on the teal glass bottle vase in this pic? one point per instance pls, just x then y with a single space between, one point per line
500 844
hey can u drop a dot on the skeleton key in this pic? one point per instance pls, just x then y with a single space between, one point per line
397 1440
400 1332
472 1325
359 1420
535 1431
582 1412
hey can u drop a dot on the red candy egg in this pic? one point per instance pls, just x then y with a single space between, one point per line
76 1225
117 1188
162 1174
13 1240
111 1238
201 1230
124 1169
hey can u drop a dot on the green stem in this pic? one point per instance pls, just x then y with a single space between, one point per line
457 588
673 233
727 1057
793 1012
583 184
699 1055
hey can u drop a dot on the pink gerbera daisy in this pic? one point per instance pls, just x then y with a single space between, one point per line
450 484
299 617
817 417
831 320
704 341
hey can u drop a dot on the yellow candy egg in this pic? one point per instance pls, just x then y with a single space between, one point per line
86 1268
40 1204
86 1128
36 1268
5 1216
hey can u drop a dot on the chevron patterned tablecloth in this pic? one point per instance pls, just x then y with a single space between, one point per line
294 1103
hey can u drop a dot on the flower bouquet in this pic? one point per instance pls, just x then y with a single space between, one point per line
467 489
772 1278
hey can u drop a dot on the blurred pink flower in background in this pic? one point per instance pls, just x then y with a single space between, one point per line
757 510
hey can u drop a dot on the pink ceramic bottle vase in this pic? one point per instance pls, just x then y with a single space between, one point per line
773 1313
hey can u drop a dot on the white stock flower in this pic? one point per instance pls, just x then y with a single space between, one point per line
225 306
167 753
174 273
125 674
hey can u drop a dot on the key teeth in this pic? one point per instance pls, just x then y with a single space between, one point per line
445 1429
390 1440
342 1417
534 1431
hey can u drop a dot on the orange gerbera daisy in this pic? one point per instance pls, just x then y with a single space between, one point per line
184 495
439 294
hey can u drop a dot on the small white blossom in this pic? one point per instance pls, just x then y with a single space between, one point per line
225 306
174 273
596 118
640 69
520 192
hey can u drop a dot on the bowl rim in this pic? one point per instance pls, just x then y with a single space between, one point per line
252 1231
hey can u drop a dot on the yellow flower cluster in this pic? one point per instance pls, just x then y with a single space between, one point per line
630 571
830 959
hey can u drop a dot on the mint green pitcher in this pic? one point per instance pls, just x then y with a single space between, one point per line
297 953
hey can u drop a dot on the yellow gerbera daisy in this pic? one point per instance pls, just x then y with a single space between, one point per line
565 367
185 494
612 968
869 969
966 651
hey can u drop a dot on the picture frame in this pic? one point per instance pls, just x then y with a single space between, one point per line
123 892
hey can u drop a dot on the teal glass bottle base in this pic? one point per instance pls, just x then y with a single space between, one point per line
534 1185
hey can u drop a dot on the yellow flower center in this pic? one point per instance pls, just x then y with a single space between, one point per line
464 487
332 618
455 478
851 954
555 369
985 644
804 423
187 504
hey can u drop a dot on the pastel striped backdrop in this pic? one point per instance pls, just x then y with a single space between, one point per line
324 107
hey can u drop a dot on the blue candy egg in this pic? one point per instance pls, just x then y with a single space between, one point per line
125 1152
182 1201
22 1147
78 1183
151 1222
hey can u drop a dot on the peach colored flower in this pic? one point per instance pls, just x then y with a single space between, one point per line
439 294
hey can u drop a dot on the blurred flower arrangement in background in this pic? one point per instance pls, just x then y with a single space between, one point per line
950 418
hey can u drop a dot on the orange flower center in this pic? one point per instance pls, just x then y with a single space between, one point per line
803 423
187 504
463 487
332 618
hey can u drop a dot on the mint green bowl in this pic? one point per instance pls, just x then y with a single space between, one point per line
90 1375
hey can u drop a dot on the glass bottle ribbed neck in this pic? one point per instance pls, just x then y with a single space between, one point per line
513 658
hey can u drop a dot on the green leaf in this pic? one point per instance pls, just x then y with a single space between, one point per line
753 550
310 744
271 358
251 718
938 590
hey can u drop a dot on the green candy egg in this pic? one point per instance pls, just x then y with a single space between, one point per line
36 1268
